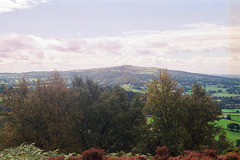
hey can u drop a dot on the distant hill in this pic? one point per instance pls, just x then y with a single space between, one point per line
224 89
127 76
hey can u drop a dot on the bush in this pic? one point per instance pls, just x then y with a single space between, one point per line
93 154
210 153
161 153
237 142
188 155
233 156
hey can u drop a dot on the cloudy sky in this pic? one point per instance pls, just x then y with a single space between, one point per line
201 36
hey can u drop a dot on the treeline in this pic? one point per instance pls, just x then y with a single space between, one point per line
79 117
229 102
84 115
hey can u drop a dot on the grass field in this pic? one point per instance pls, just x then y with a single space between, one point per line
232 136
235 118
230 110
223 94
129 87
224 122
215 87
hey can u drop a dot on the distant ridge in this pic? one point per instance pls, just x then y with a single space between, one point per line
125 75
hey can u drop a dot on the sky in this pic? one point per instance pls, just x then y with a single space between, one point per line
200 36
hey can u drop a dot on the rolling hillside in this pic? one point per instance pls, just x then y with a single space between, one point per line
130 77
120 75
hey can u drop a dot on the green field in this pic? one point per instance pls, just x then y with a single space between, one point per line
230 110
129 87
235 118
215 87
225 95
232 136
224 91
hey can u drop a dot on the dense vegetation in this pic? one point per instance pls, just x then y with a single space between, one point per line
57 117
74 118
182 119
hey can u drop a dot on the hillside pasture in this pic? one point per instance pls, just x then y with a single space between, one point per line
232 136
235 118
230 111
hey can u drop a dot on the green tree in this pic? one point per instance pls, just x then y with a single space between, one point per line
119 121
201 110
109 120
233 126
181 122
83 96
229 117
237 142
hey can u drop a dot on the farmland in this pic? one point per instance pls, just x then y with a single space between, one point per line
235 118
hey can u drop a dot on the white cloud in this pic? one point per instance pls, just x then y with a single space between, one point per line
203 48
12 5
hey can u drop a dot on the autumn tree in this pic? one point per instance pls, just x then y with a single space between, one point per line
181 122
37 113
166 104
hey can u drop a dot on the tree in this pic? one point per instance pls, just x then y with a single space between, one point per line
110 121
229 117
202 111
83 96
37 113
233 126
165 103
237 142
71 119
223 144
181 122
